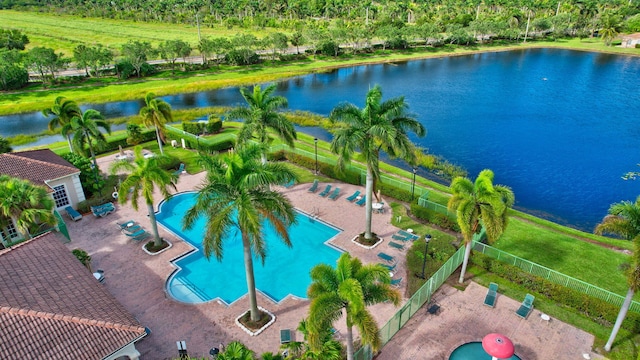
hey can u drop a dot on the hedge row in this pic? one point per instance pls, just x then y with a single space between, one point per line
348 176
434 217
595 309
205 145
196 128
113 144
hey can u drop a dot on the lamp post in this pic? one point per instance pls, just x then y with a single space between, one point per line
427 238
315 141
413 184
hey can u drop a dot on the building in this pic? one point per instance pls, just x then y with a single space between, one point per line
631 40
43 168
52 307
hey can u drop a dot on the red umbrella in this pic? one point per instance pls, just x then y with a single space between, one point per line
498 346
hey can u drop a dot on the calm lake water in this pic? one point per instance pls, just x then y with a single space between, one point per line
560 127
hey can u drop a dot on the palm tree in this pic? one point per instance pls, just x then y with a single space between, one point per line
144 176
260 116
379 126
86 131
350 287
236 194
236 351
330 349
25 204
156 114
477 205
624 220
63 110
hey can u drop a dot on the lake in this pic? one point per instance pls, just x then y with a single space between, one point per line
560 127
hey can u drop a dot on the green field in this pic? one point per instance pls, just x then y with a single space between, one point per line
64 33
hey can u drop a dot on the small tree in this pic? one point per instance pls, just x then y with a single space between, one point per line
5 146
171 50
136 53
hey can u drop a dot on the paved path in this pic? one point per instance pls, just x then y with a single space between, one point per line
138 280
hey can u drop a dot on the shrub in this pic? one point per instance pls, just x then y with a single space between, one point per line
597 310
213 125
329 48
83 256
134 134
434 217
87 175
241 57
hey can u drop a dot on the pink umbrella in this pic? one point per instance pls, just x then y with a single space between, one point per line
498 346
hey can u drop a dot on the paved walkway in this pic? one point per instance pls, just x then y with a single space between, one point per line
138 280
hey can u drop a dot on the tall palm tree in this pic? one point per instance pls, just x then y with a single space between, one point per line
379 126
156 113
330 348
144 176
261 116
63 110
624 220
86 131
480 204
25 204
348 288
236 194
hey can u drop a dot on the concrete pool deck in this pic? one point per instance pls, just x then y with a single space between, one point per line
137 280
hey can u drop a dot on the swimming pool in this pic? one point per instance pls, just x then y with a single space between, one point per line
473 351
285 271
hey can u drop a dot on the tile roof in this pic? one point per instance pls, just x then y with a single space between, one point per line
51 306
36 166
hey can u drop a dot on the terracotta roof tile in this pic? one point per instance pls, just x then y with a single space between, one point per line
51 306
36 166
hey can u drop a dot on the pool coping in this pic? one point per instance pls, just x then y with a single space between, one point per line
173 261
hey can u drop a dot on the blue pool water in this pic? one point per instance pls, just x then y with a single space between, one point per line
473 351
285 271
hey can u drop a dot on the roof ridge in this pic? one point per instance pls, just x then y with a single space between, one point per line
69 318
40 161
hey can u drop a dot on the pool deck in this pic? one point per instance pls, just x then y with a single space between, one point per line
137 280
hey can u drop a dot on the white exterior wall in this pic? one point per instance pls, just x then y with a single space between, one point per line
127 352
72 186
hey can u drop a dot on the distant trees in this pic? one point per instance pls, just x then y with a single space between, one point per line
11 39
45 60
137 53
92 57
13 74
171 50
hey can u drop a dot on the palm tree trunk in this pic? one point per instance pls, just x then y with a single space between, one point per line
526 31
69 142
154 225
467 253
368 209
621 315
159 141
349 343
93 156
251 282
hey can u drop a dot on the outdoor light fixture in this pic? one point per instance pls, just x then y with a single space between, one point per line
427 238
413 184
315 140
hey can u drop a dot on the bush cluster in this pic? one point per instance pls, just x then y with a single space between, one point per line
434 217
347 176
197 128
595 309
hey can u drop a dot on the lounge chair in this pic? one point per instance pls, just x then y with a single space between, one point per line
314 187
126 224
285 336
141 235
326 191
180 170
396 245
385 257
135 233
334 195
73 213
389 267
289 184
132 229
490 299
103 210
400 237
526 307
362 201
409 235
353 197
396 282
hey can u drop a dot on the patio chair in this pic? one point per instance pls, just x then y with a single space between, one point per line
103 210
362 201
285 336
326 191
400 237
141 235
526 307
180 170
334 195
433 309
126 224
73 213
99 275
314 187
389 267
409 235
131 229
490 299
385 257
353 197
289 184
396 282
396 245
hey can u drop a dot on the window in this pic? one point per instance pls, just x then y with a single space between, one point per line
60 196
9 231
